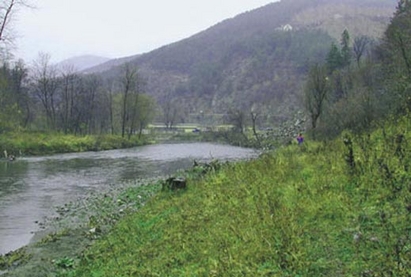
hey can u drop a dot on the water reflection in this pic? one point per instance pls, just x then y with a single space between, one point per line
12 175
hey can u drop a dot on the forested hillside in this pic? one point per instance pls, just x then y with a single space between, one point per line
256 60
348 92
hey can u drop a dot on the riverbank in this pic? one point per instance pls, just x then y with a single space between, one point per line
18 144
34 143
78 224
75 227
339 208
44 182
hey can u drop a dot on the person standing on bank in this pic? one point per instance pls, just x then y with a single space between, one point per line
300 139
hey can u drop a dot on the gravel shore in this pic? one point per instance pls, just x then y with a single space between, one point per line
62 238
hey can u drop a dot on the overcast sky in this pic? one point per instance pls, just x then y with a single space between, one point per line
116 28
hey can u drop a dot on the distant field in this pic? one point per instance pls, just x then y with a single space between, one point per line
190 127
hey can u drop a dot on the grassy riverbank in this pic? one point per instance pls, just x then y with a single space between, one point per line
341 208
26 143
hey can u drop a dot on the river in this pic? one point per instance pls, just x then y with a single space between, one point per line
31 188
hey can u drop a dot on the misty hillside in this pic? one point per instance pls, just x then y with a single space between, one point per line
81 63
108 64
258 58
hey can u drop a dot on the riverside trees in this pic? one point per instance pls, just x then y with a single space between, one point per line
377 86
15 107
46 98
13 100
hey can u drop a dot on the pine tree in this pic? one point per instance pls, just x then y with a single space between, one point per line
334 58
345 49
402 7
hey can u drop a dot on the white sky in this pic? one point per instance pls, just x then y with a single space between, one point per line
68 28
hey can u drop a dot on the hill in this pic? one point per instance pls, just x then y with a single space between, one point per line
108 64
81 63
257 59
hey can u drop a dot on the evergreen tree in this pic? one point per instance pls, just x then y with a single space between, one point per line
403 6
396 47
345 49
334 58
395 55
359 47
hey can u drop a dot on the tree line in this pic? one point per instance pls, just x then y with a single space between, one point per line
46 98
361 81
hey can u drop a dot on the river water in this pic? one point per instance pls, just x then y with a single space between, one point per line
31 188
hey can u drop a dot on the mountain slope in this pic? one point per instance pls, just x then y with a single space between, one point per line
108 64
81 63
257 58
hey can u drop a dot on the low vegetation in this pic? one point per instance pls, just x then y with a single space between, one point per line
340 208
18 144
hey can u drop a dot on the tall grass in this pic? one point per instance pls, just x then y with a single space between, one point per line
21 143
340 208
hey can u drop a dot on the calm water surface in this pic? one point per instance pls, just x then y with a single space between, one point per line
30 188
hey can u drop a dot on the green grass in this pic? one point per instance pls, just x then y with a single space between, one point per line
25 143
299 211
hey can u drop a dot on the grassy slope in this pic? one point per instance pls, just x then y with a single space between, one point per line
301 211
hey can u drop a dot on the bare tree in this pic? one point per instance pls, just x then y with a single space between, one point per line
129 84
17 83
145 112
238 118
70 80
316 91
7 10
173 110
170 113
45 84
359 47
110 103
92 88
255 115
